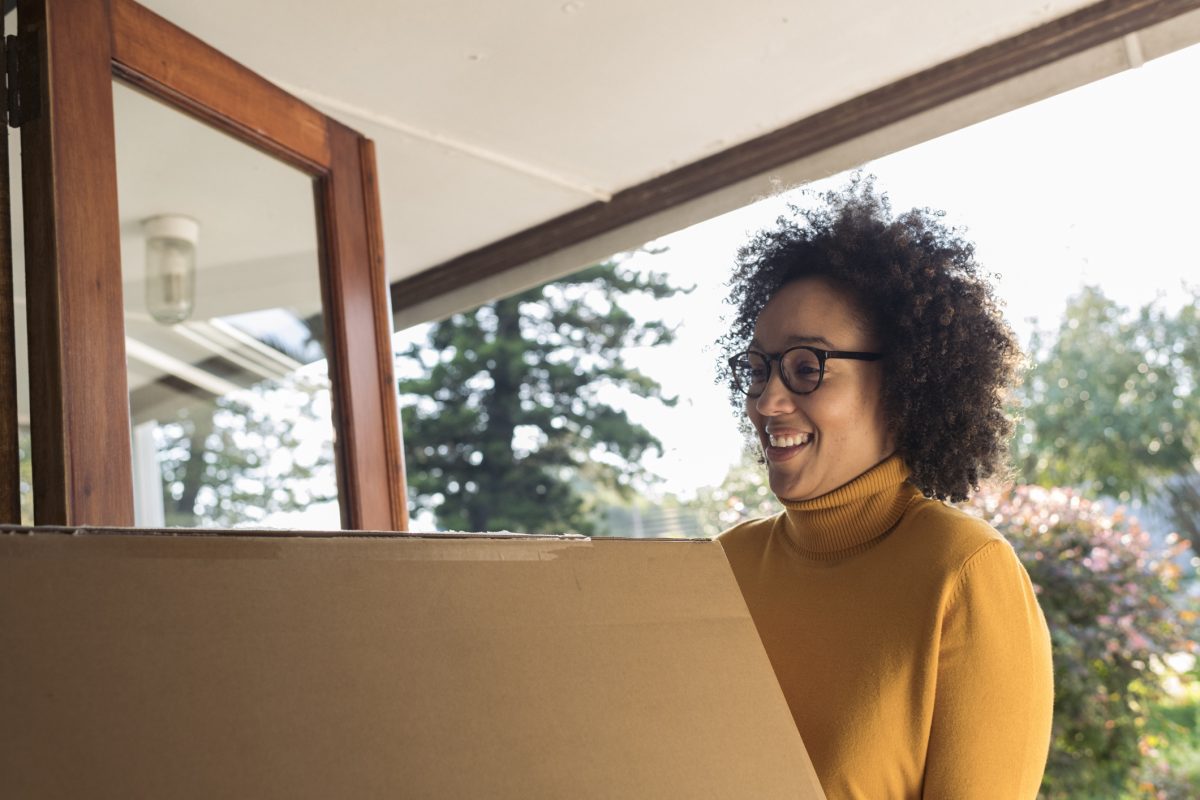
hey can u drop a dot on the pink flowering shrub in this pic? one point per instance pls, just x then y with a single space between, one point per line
1114 608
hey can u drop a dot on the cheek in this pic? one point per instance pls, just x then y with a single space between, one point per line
853 417
752 412
876 411
836 415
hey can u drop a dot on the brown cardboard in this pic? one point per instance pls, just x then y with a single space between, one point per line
202 666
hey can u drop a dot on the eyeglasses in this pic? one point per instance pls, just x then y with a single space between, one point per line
802 368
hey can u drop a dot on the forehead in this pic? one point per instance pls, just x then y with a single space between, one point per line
810 310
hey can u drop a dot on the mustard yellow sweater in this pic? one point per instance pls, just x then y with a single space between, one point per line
907 639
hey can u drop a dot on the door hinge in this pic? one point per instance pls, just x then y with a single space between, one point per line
21 78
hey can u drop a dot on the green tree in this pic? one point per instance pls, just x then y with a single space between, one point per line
1110 405
238 459
511 412
744 494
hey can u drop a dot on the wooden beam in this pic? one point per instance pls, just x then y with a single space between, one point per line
82 472
354 289
384 357
959 77
209 85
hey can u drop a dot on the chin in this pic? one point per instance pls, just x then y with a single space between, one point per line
788 490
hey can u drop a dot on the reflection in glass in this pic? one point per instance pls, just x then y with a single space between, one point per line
228 379
170 266
24 445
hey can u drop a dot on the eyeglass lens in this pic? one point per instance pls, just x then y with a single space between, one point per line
801 371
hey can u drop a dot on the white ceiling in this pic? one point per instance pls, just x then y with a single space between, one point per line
490 117
493 116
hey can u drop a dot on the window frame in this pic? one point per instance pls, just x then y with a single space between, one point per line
80 433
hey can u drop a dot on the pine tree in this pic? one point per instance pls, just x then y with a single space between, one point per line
511 417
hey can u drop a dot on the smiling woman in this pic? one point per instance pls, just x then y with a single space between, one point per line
872 362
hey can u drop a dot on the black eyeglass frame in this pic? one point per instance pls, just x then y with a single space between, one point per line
771 358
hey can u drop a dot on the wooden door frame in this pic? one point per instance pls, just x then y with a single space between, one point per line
78 383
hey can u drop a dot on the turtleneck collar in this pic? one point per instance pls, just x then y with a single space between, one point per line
853 517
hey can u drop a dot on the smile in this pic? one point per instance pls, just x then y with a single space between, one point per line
783 447
789 440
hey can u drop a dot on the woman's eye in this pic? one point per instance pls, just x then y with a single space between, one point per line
804 366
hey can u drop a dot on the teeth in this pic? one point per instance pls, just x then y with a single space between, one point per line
788 441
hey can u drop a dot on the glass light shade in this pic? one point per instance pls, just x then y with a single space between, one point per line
170 267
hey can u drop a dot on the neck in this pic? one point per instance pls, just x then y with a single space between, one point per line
853 517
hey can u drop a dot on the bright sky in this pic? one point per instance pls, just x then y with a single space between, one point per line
1095 186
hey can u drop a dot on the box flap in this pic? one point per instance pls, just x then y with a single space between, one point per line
340 666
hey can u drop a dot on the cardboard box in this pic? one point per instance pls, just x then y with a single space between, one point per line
180 665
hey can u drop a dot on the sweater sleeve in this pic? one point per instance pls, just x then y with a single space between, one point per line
994 700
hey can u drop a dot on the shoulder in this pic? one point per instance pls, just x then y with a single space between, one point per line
746 547
956 543
749 534
949 529
981 586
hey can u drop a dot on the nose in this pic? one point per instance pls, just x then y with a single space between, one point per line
776 398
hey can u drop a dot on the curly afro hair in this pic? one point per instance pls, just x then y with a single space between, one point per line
951 357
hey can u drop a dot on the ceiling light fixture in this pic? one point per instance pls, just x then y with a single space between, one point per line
171 266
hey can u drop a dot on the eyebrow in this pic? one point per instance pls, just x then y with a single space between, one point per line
795 339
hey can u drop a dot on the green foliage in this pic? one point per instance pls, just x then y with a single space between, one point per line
744 494
511 407
1171 742
237 460
1181 501
639 517
1110 405
1115 615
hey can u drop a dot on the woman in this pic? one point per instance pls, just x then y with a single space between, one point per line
872 361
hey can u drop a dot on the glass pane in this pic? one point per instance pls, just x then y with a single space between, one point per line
19 317
228 381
